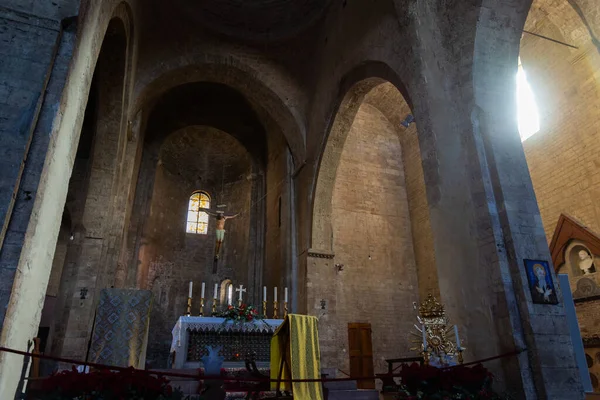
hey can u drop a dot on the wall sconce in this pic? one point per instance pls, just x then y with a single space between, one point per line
83 293
340 267
323 304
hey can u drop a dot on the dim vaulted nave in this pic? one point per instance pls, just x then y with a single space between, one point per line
337 162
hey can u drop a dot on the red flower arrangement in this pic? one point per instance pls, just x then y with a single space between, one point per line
425 382
106 385
242 313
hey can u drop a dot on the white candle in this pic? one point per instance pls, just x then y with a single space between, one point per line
264 293
424 337
285 298
216 288
275 294
202 291
190 294
457 338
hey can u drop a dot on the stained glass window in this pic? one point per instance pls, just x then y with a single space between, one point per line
197 221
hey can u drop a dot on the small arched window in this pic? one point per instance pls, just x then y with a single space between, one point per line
197 221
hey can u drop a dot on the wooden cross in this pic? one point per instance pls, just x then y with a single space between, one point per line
241 289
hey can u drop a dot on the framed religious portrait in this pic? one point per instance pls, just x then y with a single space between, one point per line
541 285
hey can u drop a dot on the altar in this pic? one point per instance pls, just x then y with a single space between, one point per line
239 340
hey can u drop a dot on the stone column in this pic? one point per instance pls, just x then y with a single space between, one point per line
516 217
96 264
483 211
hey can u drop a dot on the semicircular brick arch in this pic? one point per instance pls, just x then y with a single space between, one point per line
272 107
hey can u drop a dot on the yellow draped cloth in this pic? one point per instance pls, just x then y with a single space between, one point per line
296 342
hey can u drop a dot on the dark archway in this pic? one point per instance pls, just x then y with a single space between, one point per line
86 259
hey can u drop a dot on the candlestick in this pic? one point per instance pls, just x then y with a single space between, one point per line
214 307
425 358
188 312
285 309
216 288
202 306
191 284
457 338
264 293
202 290
275 298
285 293
264 308
424 331
275 315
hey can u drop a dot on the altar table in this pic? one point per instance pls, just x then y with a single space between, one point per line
191 335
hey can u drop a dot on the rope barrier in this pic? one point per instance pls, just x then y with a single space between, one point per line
220 378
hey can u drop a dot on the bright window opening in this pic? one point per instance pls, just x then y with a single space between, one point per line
197 221
527 111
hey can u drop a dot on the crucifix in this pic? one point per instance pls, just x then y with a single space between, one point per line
221 218
241 290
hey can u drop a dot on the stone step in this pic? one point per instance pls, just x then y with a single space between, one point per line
340 385
331 373
360 394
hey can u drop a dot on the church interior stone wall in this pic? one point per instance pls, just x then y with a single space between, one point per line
31 50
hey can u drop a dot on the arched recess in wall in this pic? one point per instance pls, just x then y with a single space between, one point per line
83 261
376 84
371 219
207 135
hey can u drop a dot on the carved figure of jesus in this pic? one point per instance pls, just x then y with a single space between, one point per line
220 218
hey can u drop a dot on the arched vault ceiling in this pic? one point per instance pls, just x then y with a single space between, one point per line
256 20
276 111
207 104
205 156
572 21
